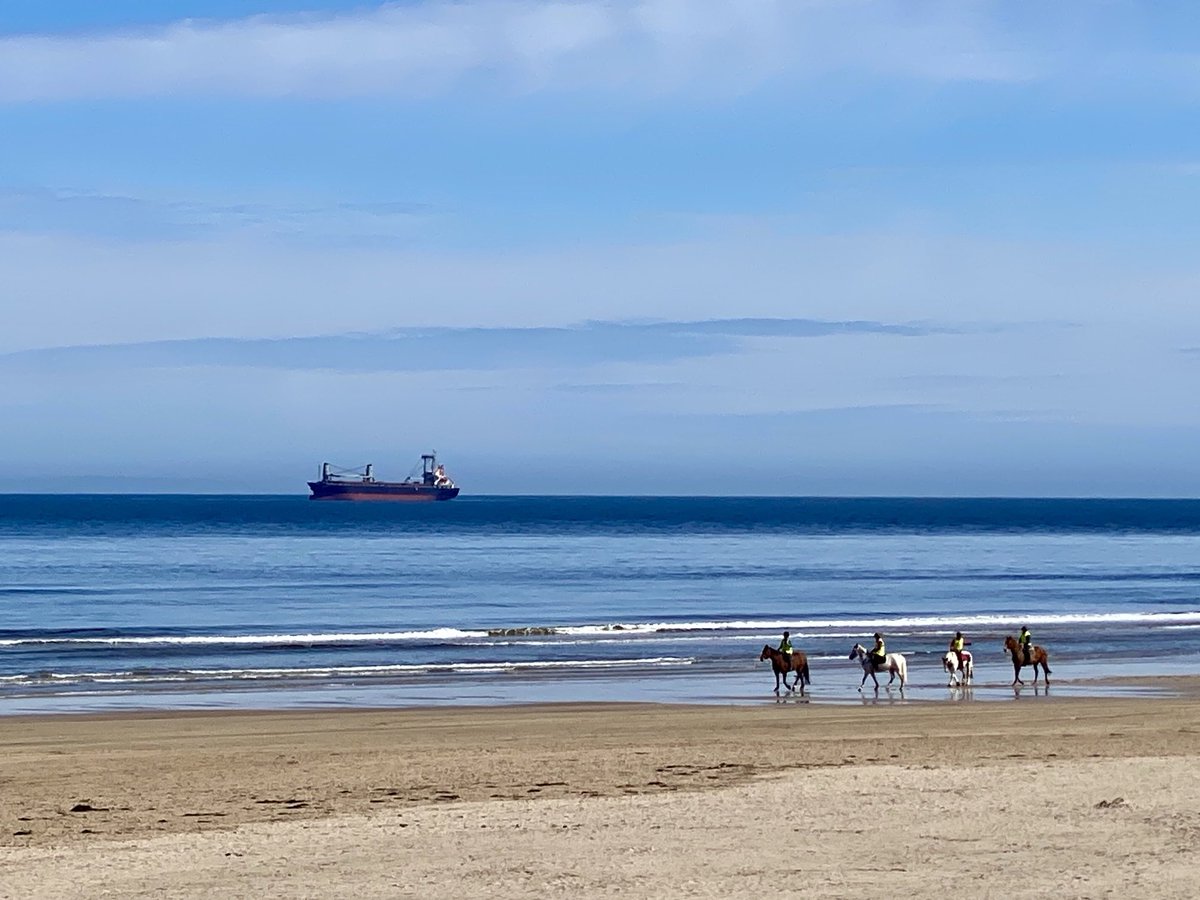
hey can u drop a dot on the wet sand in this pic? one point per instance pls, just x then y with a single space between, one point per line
1076 796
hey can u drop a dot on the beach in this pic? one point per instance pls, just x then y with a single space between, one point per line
1078 797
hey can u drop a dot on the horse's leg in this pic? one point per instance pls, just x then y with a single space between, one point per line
1017 673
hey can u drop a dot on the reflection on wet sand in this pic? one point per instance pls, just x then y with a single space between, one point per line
1037 690
892 697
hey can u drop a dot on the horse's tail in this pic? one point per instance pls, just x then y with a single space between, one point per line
804 673
1046 663
902 668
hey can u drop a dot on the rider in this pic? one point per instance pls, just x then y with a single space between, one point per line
1026 642
878 653
956 647
785 646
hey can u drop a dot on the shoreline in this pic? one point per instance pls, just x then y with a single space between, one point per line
1156 678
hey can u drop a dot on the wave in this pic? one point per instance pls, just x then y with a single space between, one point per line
278 640
537 635
819 626
332 672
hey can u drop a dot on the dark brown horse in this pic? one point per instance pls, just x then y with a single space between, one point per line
1037 657
781 664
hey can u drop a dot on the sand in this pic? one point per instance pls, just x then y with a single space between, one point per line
1078 797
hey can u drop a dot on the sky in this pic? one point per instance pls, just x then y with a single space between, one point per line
800 247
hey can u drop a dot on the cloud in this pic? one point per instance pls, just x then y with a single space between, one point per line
415 49
446 349
63 290
93 214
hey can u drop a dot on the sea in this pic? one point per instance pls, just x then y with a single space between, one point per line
129 602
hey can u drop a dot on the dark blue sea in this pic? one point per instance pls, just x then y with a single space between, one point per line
118 602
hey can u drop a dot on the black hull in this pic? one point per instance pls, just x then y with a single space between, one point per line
385 491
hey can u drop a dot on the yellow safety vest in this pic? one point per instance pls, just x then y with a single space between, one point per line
957 644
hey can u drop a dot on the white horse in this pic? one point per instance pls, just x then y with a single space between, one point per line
959 675
895 665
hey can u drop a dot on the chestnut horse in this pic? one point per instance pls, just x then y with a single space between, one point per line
781 664
1037 657
963 674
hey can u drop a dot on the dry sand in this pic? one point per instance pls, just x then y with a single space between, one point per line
1079 798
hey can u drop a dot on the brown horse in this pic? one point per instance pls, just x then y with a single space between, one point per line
1037 657
781 664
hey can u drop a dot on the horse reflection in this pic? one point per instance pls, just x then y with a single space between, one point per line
1037 689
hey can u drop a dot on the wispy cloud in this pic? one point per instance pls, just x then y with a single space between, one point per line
93 214
444 349
973 381
421 48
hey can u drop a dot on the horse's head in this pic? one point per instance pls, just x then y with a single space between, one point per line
856 651
950 662
766 653
1010 643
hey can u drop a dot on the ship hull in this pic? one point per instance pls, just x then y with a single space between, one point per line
380 491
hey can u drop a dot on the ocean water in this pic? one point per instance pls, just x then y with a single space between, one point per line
113 602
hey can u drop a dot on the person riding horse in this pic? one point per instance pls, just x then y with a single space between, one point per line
956 647
785 646
1026 642
878 653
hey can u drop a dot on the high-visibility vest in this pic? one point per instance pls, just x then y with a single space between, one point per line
956 644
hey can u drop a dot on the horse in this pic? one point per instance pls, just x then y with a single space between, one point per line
961 675
781 664
895 664
1037 657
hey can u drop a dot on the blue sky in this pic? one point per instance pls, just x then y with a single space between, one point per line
851 246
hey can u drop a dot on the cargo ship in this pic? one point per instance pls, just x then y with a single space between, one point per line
360 484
